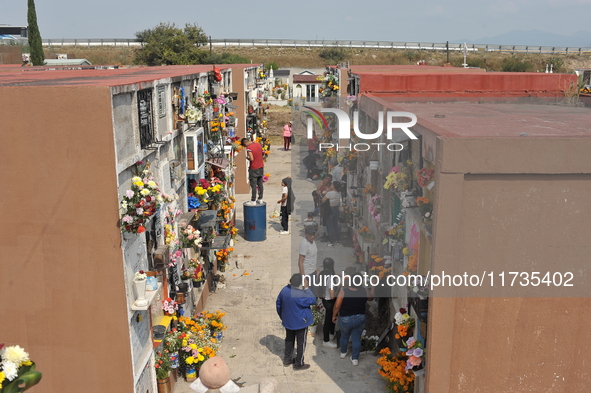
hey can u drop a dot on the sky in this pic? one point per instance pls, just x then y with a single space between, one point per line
384 20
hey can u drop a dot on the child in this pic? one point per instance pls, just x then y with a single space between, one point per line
287 202
317 199
310 221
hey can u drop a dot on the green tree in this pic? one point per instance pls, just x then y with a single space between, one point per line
167 44
35 43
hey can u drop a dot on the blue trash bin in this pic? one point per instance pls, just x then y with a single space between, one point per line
255 222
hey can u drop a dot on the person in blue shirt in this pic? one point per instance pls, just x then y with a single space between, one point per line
293 306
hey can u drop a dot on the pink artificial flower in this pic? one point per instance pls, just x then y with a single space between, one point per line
129 193
414 361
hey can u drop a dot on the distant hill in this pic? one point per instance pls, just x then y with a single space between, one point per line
535 38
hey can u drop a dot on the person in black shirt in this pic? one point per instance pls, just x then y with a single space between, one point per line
328 295
349 311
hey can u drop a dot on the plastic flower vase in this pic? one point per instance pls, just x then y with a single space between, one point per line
140 289
164 385
190 373
174 360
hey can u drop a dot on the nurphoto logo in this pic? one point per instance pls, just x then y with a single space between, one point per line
344 128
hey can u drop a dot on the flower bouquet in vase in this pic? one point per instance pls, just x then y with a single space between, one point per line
215 324
318 313
169 306
405 324
415 354
187 275
198 278
140 203
392 369
399 178
189 236
202 196
216 196
162 365
172 344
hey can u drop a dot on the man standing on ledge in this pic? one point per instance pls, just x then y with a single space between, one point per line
254 154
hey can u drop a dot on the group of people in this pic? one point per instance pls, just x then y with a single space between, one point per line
256 169
345 308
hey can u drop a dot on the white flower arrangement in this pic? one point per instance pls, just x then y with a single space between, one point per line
193 114
16 368
369 343
140 276
401 319
318 312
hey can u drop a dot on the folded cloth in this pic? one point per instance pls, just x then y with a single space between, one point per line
199 387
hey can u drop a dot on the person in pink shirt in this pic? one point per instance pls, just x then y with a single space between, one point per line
287 136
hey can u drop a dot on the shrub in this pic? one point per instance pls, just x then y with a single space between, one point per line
332 55
514 64
558 64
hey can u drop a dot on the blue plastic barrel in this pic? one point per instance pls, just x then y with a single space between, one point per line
255 222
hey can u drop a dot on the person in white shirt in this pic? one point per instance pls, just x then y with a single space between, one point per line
287 202
308 254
